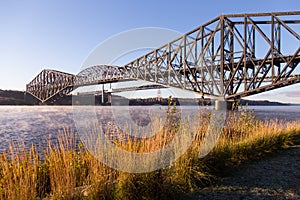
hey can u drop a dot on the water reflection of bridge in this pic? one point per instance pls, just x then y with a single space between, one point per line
230 56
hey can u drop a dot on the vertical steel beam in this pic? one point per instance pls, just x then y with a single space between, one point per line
273 46
245 52
222 57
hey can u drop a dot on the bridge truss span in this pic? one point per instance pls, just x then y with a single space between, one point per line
98 74
50 83
231 56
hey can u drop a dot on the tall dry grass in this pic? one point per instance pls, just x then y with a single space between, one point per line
69 171
19 172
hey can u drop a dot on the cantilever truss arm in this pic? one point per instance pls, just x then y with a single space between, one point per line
50 83
230 56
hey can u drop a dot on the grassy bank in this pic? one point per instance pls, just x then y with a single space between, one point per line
67 172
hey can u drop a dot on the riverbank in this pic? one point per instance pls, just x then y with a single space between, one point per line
14 97
69 170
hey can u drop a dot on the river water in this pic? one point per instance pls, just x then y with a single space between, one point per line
39 124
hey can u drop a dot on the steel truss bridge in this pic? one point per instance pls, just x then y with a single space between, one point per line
232 56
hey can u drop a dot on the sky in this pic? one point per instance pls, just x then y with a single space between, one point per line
60 34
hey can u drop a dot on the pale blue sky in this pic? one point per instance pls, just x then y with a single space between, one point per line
60 34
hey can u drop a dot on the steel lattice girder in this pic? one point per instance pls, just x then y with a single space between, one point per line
50 83
99 74
231 56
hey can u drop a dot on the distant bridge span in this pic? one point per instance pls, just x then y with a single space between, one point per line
232 56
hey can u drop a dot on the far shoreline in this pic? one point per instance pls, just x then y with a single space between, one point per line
21 98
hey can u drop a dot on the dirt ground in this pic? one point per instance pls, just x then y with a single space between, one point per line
276 176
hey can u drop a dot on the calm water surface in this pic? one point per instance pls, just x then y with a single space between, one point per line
36 124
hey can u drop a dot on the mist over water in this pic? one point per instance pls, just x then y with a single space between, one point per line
37 124
33 124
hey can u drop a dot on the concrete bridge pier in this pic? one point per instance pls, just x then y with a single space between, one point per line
223 105
102 94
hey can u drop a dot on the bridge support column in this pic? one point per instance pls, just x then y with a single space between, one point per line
222 105
109 98
102 94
